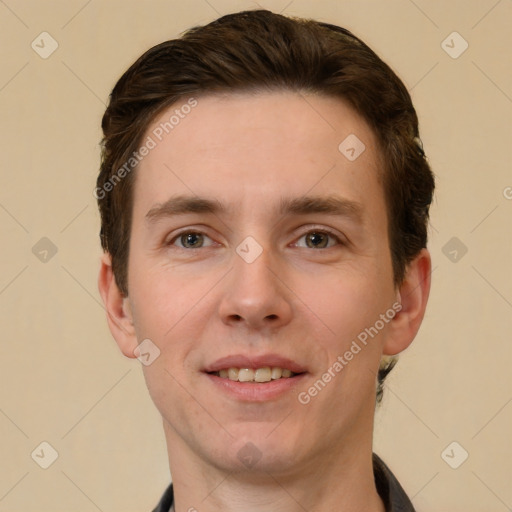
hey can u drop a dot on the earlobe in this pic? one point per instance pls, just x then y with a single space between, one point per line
119 314
413 295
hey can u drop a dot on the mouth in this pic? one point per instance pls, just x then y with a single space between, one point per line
261 375
255 379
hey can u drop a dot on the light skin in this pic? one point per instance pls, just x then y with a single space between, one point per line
306 297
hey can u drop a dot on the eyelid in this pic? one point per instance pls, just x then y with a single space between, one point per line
340 238
170 242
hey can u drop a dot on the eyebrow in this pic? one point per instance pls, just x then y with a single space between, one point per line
181 205
330 205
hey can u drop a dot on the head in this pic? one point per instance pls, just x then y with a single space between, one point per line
251 113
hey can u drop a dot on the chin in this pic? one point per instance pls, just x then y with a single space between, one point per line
259 454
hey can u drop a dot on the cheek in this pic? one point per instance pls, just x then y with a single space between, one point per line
161 294
172 309
346 301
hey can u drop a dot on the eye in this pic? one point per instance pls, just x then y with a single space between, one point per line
318 239
191 240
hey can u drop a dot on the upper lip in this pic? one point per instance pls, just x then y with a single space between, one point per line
245 361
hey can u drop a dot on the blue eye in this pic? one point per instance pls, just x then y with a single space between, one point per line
313 239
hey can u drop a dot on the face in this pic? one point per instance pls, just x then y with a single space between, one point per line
257 244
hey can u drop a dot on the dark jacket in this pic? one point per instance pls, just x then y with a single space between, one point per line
388 487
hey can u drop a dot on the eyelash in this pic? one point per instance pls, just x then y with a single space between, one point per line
322 231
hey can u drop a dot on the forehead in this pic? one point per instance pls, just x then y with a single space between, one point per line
247 148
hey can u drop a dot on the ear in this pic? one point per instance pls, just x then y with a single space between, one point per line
119 315
413 296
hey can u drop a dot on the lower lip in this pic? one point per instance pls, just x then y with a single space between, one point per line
256 391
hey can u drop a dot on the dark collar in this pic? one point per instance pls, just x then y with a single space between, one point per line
388 487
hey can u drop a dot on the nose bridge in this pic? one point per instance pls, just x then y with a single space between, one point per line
252 265
253 292
253 280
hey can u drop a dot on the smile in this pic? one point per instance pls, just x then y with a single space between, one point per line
264 374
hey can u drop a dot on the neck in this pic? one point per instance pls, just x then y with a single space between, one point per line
341 480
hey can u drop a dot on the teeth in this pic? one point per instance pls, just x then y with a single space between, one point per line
245 375
276 373
265 374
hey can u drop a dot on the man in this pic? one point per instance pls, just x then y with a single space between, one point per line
264 201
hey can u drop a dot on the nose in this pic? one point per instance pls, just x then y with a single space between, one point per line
255 295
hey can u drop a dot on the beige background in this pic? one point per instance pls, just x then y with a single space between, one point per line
63 379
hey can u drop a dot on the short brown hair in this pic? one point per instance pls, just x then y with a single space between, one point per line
262 51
